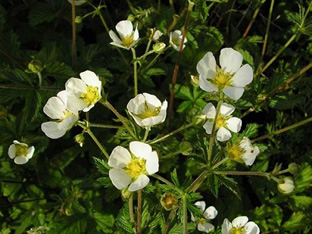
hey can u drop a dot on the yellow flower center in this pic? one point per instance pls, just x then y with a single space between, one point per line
221 121
221 79
237 230
176 41
236 152
201 221
127 40
66 113
136 167
21 150
91 96
147 113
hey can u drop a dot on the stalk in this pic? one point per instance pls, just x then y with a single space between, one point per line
267 28
135 72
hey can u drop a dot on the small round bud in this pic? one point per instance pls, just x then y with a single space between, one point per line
286 185
195 81
159 47
169 201
293 168
35 66
185 147
157 34
131 17
199 119
78 19
80 139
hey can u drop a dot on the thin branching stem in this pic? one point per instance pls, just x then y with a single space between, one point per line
238 173
131 213
139 211
135 72
74 49
254 16
184 214
96 125
97 143
197 182
266 36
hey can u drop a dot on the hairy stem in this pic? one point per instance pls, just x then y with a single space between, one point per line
96 125
97 143
184 215
255 14
267 29
247 173
135 72
131 213
74 49
197 182
139 210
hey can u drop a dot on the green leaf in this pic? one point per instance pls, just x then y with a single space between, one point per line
174 177
301 202
303 179
251 130
296 221
104 222
230 183
101 165
123 220
283 102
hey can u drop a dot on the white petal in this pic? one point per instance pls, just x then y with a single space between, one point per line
20 160
140 149
88 108
210 213
226 109
119 157
209 111
223 134
151 121
119 178
207 86
243 77
230 60
249 156
19 143
240 221
124 28
75 86
63 96
68 122
30 152
12 151
152 100
252 228
119 45
52 130
208 127
245 144
114 37
75 103
201 205
136 34
234 124
91 79
136 104
205 227
54 108
152 163
226 227
233 92
139 183
206 67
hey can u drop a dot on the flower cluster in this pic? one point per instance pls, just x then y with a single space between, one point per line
79 95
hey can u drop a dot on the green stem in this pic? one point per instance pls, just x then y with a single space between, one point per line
148 46
131 213
154 59
212 136
97 143
220 163
139 210
40 79
267 29
171 133
146 134
197 182
96 125
167 182
283 130
135 72
74 49
170 155
252 20
184 215
119 116
247 173
171 216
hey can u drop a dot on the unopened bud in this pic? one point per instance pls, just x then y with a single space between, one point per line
159 47
185 147
195 81
80 139
131 17
157 34
286 185
199 119
169 201
293 168
78 19
35 66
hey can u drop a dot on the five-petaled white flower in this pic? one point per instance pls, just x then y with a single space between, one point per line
286 185
175 39
210 213
231 78
240 225
20 152
244 152
132 167
83 93
56 108
224 123
147 110
127 37
157 34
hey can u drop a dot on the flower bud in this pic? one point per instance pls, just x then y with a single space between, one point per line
199 119
195 81
35 66
185 147
80 139
293 168
131 17
159 47
78 19
169 201
286 185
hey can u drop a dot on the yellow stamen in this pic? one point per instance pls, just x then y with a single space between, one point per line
236 153
127 40
136 168
148 112
221 121
21 150
238 230
221 79
91 96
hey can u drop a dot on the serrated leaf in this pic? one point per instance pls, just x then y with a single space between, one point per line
301 202
296 221
251 130
283 102
123 220
101 165
174 178
230 183
104 222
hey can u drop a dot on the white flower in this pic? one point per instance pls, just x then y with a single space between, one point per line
175 39
77 2
244 152
286 185
157 34
147 110
225 121
210 213
240 225
132 167
83 93
56 108
231 78
127 37
20 152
